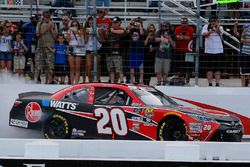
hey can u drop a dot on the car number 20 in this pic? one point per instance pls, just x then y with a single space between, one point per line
117 119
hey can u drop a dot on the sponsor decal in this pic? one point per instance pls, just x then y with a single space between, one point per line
20 123
137 118
138 110
33 112
207 127
76 132
136 126
149 112
233 131
195 127
148 122
59 104
195 134
136 104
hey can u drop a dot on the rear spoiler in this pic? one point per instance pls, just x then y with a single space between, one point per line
35 95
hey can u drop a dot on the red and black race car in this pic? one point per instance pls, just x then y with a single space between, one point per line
121 112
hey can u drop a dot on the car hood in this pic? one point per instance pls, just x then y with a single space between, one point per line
214 114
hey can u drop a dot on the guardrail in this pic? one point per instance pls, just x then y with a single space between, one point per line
110 150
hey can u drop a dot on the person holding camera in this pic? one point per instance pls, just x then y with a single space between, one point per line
213 50
149 53
46 32
184 35
136 53
114 60
164 52
76 38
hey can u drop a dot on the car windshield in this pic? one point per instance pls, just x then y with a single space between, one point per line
151 96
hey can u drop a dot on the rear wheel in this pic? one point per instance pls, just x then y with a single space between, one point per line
173 129
56 127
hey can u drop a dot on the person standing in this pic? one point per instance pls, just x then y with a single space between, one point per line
213 50
184 38
136 54
245 55
114 60
149 53
90 34
30 40
6 49
164 52
103 24
19 54
46 32
60 50
76 39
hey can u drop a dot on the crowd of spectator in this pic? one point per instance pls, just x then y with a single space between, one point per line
65 51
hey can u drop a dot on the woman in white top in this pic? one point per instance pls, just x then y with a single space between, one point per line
90 49
76 39
5 47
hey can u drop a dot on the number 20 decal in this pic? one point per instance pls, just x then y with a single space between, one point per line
117 119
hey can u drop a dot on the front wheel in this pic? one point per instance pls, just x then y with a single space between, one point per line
173 129
56 127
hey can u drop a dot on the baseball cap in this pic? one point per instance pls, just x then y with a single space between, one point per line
184 20
116 19
165 23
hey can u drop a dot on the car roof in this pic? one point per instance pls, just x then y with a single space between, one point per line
57 95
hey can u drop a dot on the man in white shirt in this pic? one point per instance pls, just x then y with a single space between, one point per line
213 50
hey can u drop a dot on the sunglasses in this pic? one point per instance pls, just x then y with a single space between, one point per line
212 21
74 25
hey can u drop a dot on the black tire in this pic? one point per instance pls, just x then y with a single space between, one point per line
56 127
173 129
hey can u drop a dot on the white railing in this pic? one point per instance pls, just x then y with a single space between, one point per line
110 150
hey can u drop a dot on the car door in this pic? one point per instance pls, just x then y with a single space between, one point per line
115 114
82 119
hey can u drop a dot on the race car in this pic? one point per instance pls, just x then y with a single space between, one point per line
120 112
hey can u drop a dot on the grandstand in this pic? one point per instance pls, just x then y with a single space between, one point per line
150 11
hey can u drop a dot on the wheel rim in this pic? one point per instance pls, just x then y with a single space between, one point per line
173 131
56 129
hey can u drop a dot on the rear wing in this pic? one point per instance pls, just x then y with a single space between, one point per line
34 95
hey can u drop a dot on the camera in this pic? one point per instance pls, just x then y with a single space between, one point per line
134 23
184 33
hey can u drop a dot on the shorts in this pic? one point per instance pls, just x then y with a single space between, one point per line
180 65
162 65
44 59
214 62
114 63
136 60
6 56
245 63
60 70
104 50
19 62
76 51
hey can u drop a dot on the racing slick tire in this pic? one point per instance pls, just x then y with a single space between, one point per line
56 127
173 129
